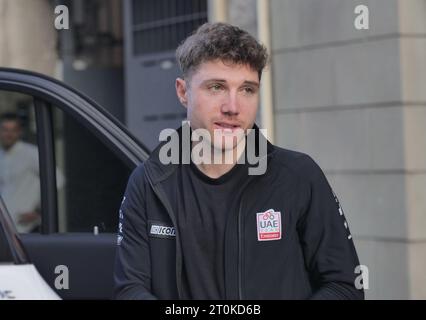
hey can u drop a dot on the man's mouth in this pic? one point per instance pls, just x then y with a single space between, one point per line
226 126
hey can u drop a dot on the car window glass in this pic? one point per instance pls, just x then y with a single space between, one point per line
93 181
19 165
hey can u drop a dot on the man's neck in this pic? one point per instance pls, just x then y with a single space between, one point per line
227 160
215 171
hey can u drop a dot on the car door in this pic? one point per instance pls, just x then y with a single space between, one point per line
85 157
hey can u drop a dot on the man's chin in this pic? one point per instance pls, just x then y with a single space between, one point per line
225 144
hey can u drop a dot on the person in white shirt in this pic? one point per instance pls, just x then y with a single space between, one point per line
19 175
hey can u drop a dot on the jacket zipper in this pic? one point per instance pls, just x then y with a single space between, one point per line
240 244
169 210
240 255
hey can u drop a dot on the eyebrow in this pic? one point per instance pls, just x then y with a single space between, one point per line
256 84
253 83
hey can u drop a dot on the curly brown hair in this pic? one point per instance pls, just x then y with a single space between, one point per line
221 41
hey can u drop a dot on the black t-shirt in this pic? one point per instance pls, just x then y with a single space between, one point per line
203 206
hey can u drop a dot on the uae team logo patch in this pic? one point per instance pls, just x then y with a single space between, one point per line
269 225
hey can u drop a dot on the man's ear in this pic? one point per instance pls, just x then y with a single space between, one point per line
182 91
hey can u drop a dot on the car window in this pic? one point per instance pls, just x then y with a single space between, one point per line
19 164
93 180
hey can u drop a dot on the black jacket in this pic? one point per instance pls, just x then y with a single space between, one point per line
315 257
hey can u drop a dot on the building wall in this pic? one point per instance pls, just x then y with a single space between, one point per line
353 100
243 14
27 35
412 26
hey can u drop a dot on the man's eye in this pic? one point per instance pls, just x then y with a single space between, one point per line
249 90
216 87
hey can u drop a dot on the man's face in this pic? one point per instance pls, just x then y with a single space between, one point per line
222 98
10 133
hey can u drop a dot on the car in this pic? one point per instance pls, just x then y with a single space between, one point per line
96 154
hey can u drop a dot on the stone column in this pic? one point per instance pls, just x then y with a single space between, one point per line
412 21
28 36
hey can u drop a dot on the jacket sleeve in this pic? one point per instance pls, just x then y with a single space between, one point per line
132 272
328 248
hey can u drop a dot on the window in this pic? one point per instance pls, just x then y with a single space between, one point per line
160 25
19 164
94 178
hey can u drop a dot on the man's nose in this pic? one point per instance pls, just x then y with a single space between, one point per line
231 105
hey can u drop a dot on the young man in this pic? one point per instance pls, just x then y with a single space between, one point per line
210 229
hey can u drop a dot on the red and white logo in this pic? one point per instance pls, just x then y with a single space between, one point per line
269 225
